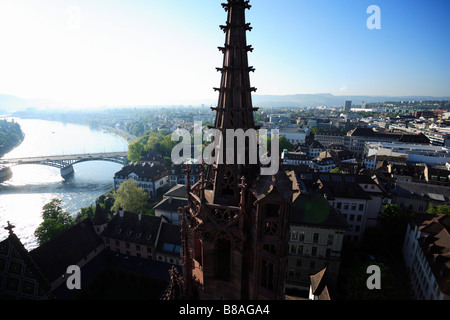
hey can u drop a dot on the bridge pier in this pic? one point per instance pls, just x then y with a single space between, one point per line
67 171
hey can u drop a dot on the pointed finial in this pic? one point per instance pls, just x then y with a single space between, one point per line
9 227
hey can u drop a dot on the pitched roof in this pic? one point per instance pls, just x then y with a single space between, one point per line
347 187
170 239
179 191
424 191
316 145
13 247
319 286
402 137
67 248
170 205
435 245
265 184
144 171
128 227
315 210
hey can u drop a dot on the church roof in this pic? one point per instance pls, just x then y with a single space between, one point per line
12 252
67 248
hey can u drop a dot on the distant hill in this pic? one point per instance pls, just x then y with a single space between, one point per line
11 103
327 99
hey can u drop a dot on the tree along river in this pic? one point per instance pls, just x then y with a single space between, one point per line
32 186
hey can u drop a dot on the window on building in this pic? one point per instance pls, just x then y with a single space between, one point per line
353 206
293 249
314 251
294 235
345 206
330 239
301 236
338 205
316 238
361 207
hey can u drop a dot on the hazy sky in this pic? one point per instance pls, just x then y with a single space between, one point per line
147 52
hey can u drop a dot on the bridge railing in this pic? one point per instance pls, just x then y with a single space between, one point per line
65 157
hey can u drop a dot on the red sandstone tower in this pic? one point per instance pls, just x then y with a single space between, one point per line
235 227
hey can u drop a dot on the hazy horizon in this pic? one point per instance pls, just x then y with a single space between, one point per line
116 53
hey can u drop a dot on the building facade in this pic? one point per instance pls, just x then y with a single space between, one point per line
316 238
426 254
149 177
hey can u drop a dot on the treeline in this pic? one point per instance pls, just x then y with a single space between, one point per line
10 136
154 140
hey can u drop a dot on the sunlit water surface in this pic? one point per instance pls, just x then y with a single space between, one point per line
32 186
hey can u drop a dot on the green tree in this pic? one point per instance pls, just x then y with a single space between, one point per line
130 197
285 144
336 170
135 151
55 221
86 212
440 209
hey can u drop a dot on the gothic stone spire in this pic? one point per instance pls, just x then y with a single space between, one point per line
234 109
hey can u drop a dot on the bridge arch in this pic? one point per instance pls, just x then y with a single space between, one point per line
65 163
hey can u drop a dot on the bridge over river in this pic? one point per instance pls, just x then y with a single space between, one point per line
65 162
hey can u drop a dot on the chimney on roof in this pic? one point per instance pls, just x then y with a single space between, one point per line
121 212
139 216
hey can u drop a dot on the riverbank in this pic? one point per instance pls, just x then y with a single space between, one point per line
11 136
127 137
23 196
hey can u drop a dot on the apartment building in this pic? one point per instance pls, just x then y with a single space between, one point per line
426 252
316 238
356 139
144 236
149 177
357 198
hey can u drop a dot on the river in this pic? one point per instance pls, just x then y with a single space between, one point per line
32 186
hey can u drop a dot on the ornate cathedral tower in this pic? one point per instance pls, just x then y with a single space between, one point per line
235 227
